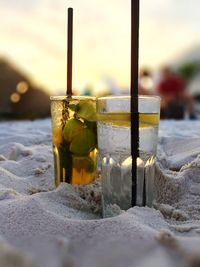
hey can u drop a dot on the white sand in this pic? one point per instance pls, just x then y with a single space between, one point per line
43 227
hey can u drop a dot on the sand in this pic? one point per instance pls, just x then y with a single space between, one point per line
41 226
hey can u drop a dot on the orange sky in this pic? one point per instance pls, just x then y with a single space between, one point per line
33 35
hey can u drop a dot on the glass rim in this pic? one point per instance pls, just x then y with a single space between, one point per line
73 97
118 97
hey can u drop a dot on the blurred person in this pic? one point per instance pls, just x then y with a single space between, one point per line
174 99
142 90
146 82
87 91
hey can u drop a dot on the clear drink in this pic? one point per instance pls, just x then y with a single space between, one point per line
74 138
114 143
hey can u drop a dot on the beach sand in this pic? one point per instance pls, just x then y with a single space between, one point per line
45 227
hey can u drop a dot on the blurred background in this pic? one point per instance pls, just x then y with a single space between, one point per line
33 53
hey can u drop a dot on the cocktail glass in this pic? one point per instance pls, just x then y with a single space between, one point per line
114 146
74 138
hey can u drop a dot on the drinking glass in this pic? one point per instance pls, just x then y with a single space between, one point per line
74 138
114 146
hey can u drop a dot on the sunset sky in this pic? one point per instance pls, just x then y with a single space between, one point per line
33 37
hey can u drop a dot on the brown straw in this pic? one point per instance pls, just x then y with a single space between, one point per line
69 51
134 95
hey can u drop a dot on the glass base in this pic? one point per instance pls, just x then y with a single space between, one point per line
116 183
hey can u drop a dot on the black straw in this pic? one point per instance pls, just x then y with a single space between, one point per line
135 8
69 51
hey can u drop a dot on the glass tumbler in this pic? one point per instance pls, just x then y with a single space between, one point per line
74 138
114 146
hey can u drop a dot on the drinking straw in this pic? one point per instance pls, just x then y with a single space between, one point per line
69 51
135 7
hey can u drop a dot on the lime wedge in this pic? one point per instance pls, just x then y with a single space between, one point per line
71 129
74 107
83 142
87 110
85 163
124 119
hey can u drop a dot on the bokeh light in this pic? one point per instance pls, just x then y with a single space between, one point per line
22 87
15 98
